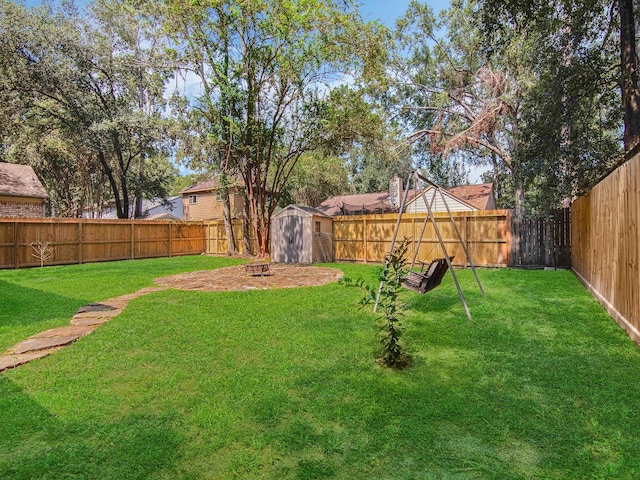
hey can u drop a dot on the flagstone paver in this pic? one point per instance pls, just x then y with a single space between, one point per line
97 321
14 360
33 344
96 307
72 330
90 317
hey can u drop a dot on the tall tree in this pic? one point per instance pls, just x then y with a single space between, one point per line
454 99
594 28
265 66
571 114
69 173
629 82
96 76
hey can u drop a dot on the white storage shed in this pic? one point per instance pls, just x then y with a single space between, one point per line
301 235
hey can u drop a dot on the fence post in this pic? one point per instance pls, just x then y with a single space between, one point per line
80 247
170 239
516 239
133 254
364 235
15 244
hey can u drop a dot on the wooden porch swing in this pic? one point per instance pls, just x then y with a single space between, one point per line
431 274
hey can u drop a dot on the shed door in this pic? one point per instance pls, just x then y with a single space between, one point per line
293 241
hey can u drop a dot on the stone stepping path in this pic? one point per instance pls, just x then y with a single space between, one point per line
85 321
90 317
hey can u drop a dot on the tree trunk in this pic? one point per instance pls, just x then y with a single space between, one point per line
138 208
518 186
112 182
228 223
567 180
629 75
124 212
246 222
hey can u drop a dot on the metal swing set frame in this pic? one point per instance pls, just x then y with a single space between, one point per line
424 281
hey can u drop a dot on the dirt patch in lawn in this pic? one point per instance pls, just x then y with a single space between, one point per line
237 278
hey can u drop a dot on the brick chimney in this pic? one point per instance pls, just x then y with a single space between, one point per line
395 191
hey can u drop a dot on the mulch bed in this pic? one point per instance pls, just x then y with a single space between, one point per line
236 278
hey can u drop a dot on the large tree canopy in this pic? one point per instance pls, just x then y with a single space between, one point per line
528 88
292 94
98 79
265 68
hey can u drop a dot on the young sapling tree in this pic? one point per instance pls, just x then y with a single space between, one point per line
393 272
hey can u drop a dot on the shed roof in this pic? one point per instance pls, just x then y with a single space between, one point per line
20 181
306 211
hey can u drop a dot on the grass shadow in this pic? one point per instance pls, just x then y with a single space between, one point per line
38 445
25 311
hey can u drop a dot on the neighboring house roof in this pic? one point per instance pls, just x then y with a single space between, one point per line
172 207
209 185
306 211
20 181
357 203
479 197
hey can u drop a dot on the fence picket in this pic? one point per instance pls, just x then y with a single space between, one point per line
542 242
83 240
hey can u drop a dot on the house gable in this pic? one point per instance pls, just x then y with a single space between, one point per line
455 204
203 202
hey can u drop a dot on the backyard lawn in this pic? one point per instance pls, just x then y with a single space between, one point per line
282 384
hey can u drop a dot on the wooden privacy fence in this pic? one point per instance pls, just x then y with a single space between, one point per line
542 242
216 237
367 238
488 235
81 240
606 244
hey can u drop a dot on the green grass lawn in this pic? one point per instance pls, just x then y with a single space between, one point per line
33 300
283 384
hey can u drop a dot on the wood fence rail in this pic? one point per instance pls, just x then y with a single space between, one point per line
216 237
82 240
367 238
360 238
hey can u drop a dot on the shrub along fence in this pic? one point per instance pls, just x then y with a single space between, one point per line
83 241
606 244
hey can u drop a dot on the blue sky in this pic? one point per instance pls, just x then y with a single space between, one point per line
389 10
385 10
